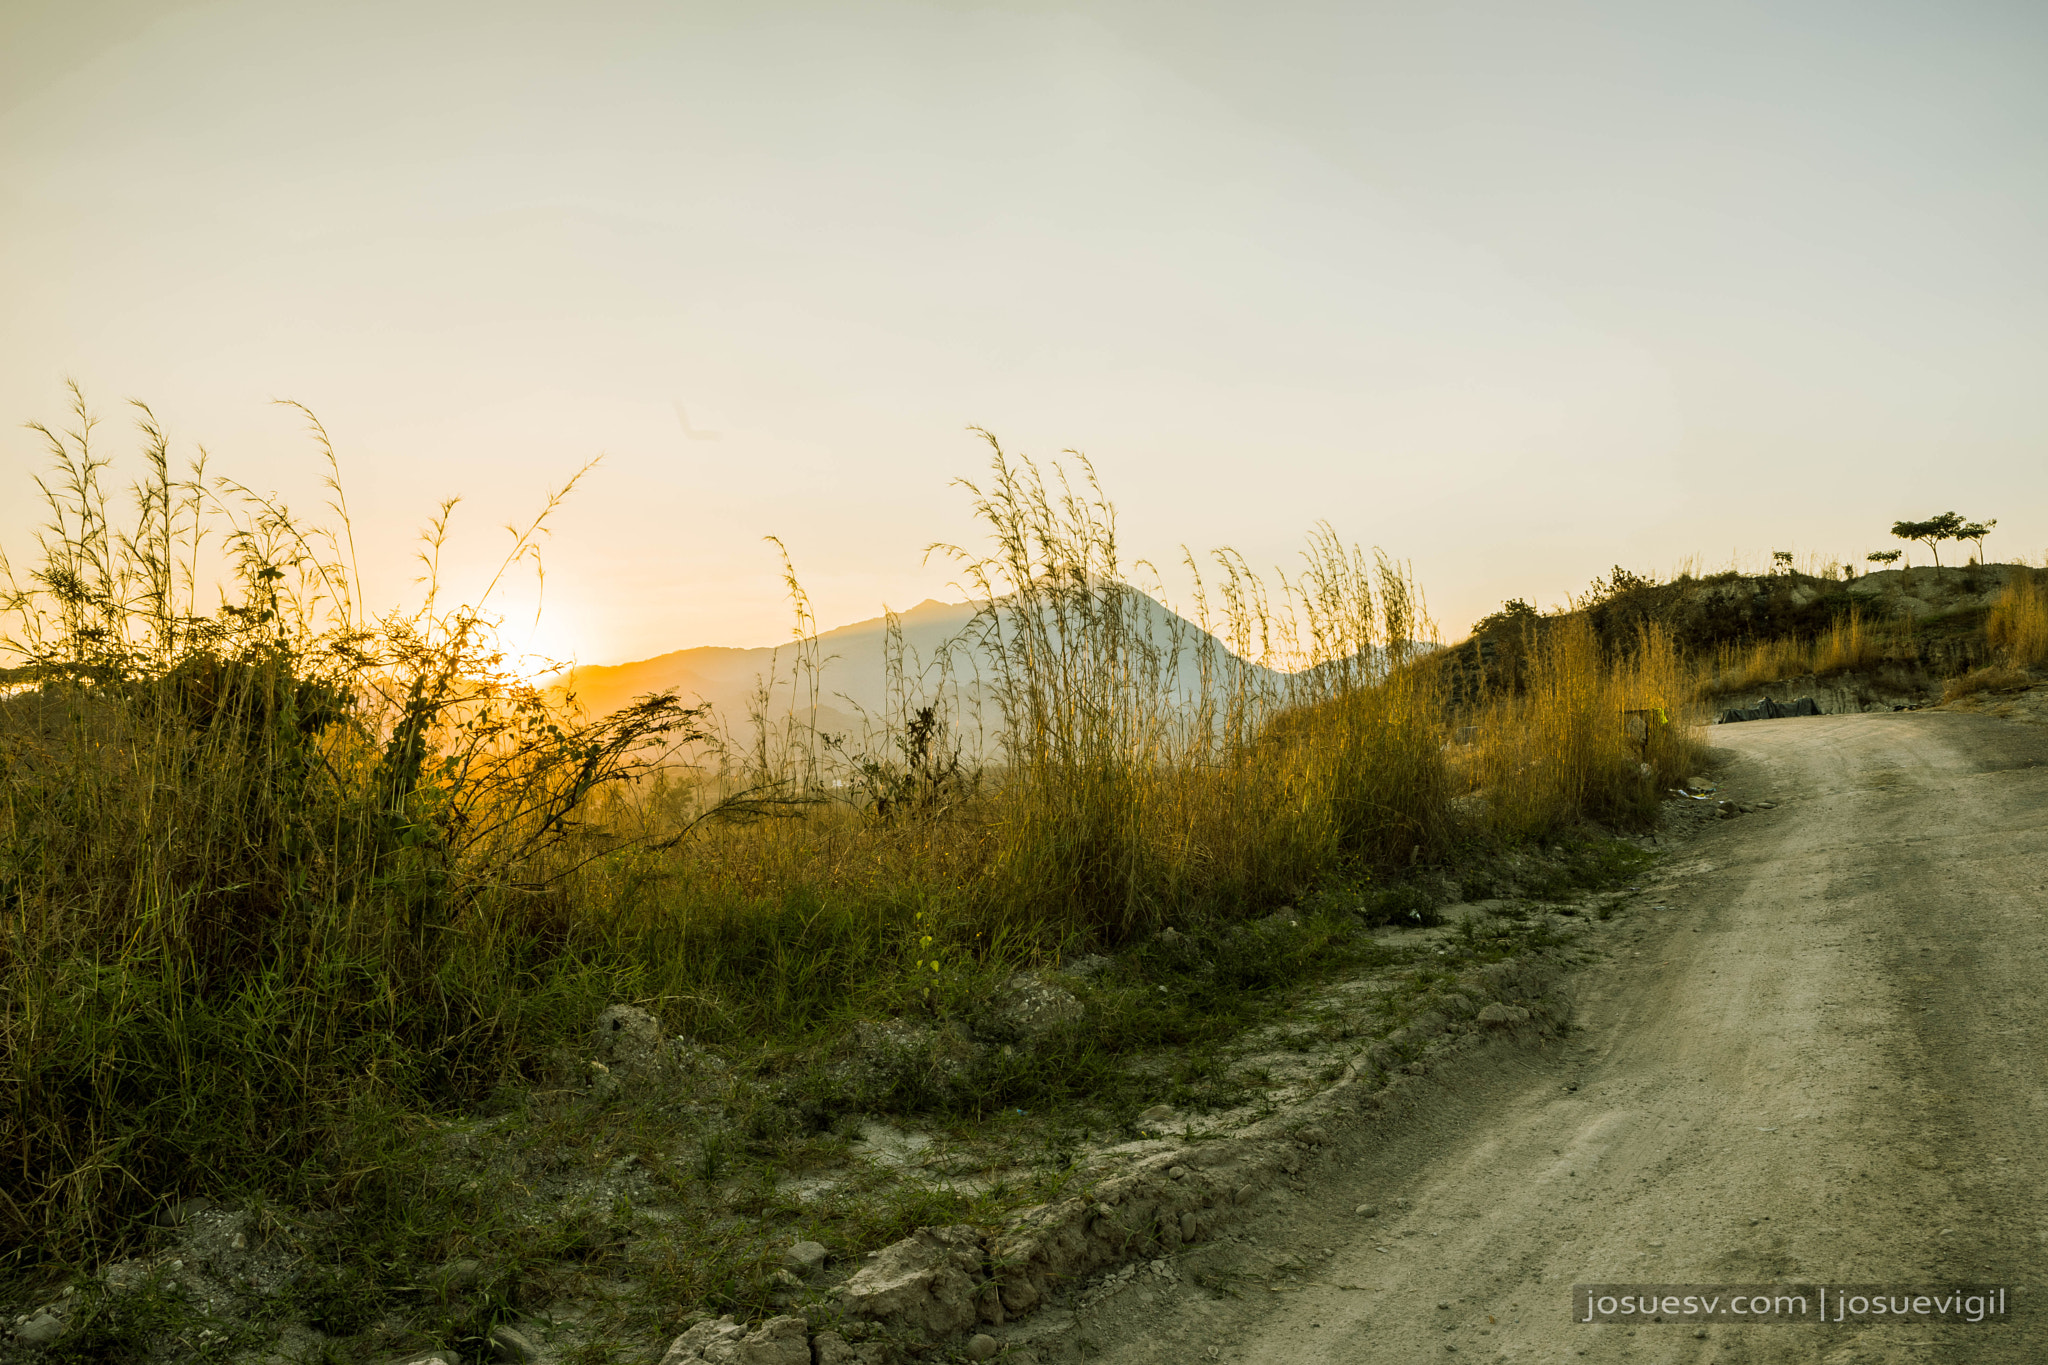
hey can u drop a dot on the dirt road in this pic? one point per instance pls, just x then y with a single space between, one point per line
1825 1061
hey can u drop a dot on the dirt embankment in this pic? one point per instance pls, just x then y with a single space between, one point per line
1816 1055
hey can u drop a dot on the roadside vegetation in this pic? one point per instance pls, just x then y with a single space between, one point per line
281 876
295 893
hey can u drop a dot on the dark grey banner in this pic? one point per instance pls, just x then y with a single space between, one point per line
1864 1304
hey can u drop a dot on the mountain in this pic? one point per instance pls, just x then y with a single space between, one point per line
855 681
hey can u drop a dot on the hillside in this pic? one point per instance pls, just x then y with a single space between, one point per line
876 668
1920 625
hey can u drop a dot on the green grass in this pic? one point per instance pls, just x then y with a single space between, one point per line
284 882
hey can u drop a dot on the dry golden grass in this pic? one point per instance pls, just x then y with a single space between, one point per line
265 861
2018 624
1991 678
1850 642
1590 734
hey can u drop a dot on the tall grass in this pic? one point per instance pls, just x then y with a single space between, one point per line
2018 624
1590 733
271 865
1849 642
1147 774
257 861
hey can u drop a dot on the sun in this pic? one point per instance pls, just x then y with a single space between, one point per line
534 649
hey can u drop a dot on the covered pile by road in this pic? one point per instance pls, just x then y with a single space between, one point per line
1771 710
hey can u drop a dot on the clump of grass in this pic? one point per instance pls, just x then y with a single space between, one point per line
1146 774
1990 678
1590 733
2018 624
254 859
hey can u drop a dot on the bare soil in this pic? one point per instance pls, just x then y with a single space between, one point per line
1823 1060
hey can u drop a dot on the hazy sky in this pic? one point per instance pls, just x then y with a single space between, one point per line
1516 291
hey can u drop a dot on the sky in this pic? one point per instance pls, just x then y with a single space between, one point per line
1514 291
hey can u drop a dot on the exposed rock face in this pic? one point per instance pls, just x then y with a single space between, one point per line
778 1341
928 1282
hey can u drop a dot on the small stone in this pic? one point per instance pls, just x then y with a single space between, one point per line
238 1242
779 1341
829 1348
460 1276
1158 1113
182 1212
1442 1304
981 1345
511 1346
806 1257
41 1328
1190 1227
1314 1137
1178 1173
1367 1210
788 1279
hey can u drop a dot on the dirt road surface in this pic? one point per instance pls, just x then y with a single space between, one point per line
1825 1061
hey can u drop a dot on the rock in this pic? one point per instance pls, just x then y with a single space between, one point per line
511 1346
829 1348
713 1334
1190 1226
1169 935
1088 965
926 1282
1027 1007
1367 1210
806 1258
981 1345
461 1276
1502 1015
41 1328
788 1279
1158 1113
627 1039
1314 1137
779 1341
182 1212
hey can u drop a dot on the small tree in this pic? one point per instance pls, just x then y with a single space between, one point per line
1884 557
1781 561
1976 531
1930 532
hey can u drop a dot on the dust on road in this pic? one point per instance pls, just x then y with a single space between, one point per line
1823 1062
